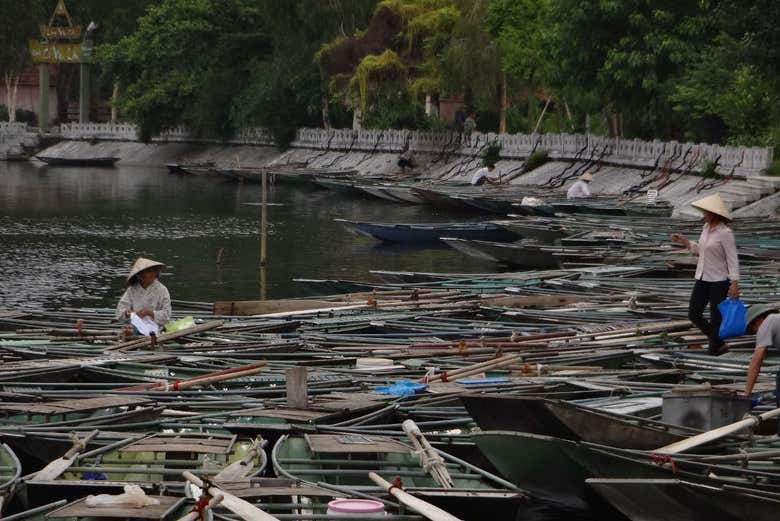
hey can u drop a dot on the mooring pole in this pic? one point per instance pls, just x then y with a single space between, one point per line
263 219
43 91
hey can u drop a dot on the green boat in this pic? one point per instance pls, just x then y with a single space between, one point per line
346 459
155 463
678 500
103 410
10 470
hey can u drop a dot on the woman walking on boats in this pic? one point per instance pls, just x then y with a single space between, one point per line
717 270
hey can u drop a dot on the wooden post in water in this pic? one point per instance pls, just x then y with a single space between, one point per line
263 219
297 387
263 233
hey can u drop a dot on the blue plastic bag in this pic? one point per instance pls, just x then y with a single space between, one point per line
401 388
733 311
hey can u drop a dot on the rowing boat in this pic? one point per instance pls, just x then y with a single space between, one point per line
346 460
430 233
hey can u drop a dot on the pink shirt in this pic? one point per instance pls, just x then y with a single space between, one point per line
717 251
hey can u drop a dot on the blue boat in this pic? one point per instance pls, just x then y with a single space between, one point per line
431 233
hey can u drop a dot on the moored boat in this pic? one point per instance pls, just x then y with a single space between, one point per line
430 233
78 161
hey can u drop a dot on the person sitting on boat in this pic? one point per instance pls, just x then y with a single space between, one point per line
482 176
580 189
763 321
145 294
717 270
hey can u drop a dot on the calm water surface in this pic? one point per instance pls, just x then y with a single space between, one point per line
69 235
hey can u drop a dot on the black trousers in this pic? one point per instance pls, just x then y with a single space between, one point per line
712 293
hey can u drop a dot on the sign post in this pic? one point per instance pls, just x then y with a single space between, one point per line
59 44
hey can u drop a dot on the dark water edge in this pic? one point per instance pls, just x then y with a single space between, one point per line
69 235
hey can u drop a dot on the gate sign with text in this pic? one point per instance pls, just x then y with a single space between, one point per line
52 49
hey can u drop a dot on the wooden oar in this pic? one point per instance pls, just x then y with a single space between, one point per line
716 434
432 512
217 376
198 513
430 460
141 342
238 469
60 465
238 506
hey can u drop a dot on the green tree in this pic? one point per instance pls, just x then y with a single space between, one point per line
18 27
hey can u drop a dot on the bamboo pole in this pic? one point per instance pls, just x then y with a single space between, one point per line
716 434
424 508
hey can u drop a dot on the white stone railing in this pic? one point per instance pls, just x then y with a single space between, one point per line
743 161
100 131
13 128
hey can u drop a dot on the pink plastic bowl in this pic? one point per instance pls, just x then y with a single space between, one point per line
356 506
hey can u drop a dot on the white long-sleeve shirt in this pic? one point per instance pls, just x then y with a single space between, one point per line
717 251
155 298
578 190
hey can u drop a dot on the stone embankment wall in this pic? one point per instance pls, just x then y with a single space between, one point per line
635 153
14 137
623 166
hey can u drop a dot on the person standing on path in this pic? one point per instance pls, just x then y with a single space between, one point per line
717 270
469 125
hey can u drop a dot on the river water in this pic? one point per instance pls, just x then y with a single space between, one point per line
69 235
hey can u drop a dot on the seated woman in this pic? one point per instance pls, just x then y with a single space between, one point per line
145 295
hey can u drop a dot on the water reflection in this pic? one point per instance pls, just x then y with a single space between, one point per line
68 235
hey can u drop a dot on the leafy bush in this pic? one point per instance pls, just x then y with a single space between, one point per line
708 170
535 160
491 154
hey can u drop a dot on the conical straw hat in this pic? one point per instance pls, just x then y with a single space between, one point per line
713 203
587 176
140 265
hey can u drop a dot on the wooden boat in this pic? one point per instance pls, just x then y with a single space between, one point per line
78 161
346 460
569 421
156 461
168 508
524 254
64 413
10 470
680 500
180 168
543 465
545 231
430 233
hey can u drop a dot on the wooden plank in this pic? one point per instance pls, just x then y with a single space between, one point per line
297 387
71 406
242 308
172 442
350 443
287 414
79 508
533 301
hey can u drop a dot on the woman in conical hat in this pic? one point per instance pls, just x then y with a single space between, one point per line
717 270
145 295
